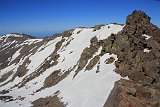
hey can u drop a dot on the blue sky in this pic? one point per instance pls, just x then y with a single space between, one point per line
45 17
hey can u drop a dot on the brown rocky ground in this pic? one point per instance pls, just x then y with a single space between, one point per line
143 68
52 101
127 93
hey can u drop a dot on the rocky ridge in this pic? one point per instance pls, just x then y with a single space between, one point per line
54 71
142 67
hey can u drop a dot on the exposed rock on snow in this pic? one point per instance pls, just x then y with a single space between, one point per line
79 67
136 61
68 63
51 101
146 36
130 94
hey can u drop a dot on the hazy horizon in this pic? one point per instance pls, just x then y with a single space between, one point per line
39 34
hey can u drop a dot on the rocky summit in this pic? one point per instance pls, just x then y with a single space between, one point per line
112 65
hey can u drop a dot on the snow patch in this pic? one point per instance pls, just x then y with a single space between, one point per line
146 36
38 58
146 50
107 30
31 41
89 89
16 55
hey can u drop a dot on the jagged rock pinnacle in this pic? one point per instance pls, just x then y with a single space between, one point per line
142 67
137 17
138 23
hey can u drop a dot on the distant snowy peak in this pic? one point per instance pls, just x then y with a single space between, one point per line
17 35
12 35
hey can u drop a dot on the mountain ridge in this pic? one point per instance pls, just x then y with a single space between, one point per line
79 67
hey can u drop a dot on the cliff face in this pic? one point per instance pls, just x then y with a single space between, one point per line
137 47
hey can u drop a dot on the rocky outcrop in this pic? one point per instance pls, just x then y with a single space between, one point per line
137 47
110 60
92 62
52 101
127 93
87 54
97 27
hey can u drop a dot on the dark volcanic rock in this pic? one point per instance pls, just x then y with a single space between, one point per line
97 27
109 60
92 62
141 67
137 17
52 101
127 93
87 54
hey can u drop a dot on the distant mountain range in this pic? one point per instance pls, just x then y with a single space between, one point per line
40 34
17 35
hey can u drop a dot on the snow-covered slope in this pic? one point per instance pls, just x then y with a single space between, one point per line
12 35
56 66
